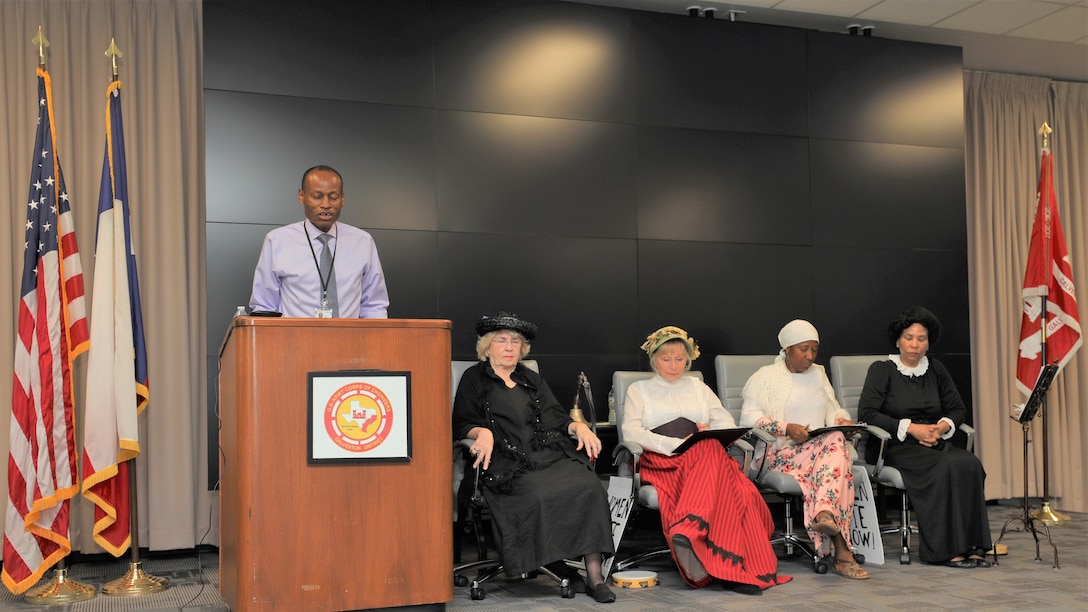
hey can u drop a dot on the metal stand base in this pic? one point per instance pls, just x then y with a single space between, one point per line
1049 516
61 591
135 582
1029 525
1026 518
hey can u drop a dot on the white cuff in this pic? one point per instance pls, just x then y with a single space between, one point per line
902 432
951 428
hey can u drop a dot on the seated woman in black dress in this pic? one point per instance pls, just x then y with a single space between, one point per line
913 398
546 502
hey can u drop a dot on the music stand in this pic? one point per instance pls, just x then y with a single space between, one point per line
1035 402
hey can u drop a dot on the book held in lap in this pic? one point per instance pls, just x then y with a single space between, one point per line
686 428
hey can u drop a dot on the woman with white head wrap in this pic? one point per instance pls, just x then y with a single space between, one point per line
788 399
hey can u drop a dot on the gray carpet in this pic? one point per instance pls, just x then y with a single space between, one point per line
1019 582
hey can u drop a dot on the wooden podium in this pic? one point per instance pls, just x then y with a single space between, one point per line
326 537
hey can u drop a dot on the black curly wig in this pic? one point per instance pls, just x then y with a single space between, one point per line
910 316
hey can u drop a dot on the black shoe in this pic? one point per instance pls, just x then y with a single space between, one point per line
962 563
742 588
979 561
685 556
600 593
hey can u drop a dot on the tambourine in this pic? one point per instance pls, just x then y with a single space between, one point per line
634 580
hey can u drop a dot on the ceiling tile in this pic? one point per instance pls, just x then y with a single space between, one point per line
916 12
842 8
998 16
1067 25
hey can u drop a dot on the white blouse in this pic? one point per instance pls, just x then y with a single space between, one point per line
654 402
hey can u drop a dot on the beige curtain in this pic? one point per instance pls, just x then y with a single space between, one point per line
1003 114
162 96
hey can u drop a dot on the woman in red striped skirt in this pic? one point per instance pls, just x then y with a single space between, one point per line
715 520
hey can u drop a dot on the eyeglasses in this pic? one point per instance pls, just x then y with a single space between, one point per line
504 340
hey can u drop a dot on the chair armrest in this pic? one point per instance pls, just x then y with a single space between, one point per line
748 450
879 433
764 436
625 459
632 448
765 439
883 436
970 431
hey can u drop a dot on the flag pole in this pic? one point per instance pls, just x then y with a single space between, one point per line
1046 514
62 590
135 581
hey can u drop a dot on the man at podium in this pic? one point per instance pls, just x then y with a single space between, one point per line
319 267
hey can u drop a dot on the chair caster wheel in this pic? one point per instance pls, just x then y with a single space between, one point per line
821 568
859 558
904 559
459 580
566 592
477 594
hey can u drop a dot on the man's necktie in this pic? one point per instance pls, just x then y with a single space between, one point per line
328 274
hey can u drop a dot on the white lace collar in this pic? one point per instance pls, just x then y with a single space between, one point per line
918 370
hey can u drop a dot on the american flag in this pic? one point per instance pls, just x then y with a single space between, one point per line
117 387
52 333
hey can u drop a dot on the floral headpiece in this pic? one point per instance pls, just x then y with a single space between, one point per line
670 332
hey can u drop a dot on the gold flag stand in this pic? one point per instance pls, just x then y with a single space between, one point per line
1050 516
135 582
61 591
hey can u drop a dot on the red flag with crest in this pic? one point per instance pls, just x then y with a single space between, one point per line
1048 290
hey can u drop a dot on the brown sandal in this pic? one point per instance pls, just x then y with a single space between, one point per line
849 568
825 525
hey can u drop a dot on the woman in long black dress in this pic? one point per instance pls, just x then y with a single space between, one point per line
546 502
913 398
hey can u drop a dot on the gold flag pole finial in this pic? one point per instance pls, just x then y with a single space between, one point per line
1044 131
42 44
113 53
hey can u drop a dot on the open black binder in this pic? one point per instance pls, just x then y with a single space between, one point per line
726 436
847 430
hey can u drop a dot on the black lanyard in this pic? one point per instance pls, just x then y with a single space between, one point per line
324 279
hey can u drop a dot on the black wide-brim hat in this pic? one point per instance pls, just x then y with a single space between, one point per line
505 320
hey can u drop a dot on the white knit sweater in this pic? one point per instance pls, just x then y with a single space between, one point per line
765 396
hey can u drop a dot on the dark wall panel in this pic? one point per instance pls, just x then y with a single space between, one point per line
601 171
544 59
723 187
232 250
878 90
888 195
716 74
258 146
733 298
580 290
410 262
859 291
330 49
533 175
